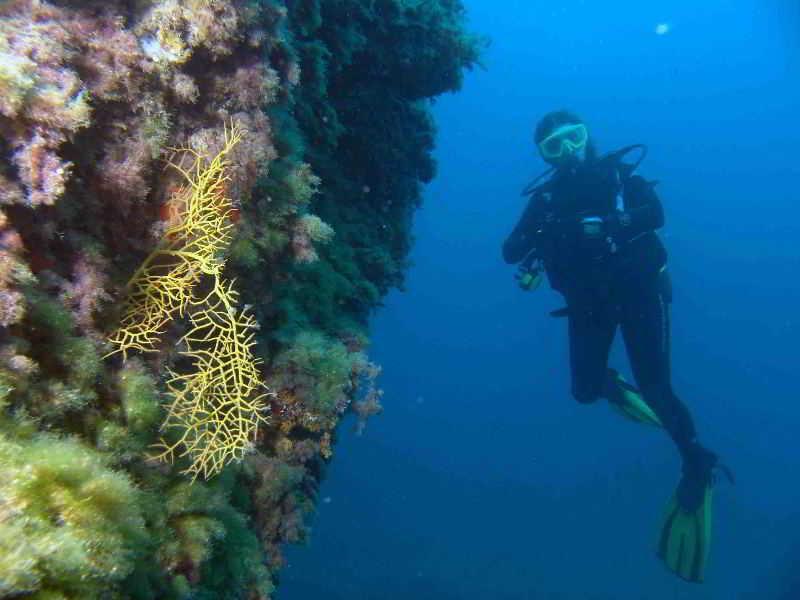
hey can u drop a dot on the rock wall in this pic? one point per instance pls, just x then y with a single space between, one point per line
114 220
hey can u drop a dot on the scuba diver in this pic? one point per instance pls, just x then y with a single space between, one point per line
591 227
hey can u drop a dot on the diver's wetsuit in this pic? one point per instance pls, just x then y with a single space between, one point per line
615 279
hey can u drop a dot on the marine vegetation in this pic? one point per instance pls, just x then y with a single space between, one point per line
215 409
202 202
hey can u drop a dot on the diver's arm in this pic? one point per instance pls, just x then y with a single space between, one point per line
522 240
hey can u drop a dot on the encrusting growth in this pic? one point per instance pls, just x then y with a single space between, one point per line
216 409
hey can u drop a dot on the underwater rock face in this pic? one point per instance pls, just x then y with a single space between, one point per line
111 112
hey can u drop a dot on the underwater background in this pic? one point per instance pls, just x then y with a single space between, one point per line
484 479
232 232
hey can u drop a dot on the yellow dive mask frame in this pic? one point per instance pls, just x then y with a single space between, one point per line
566 140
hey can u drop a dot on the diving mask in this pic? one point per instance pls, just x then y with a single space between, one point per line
567 140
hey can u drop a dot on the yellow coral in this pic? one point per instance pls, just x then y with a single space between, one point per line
162 287
217 408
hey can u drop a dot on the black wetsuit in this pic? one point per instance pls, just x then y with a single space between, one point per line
615 279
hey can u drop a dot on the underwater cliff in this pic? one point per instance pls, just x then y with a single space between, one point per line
202 202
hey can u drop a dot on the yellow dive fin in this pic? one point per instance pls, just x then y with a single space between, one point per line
685 538
626 400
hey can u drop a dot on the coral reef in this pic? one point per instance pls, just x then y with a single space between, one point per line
303 138
215 409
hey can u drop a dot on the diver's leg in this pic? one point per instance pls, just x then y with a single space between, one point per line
685 534
591 330
645 323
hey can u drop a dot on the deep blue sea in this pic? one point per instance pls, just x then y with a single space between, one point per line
484 479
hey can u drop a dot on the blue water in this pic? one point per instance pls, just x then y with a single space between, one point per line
484 479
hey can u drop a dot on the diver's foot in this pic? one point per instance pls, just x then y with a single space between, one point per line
699 466
684 539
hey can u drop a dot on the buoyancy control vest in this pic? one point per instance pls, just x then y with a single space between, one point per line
601 187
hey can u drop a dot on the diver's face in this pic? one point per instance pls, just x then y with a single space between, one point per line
571 159
565 146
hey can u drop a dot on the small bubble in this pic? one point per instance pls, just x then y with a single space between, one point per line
663 29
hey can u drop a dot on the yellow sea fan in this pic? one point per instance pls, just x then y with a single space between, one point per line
217 407
194 245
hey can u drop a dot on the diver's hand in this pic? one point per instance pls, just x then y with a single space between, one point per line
529 276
